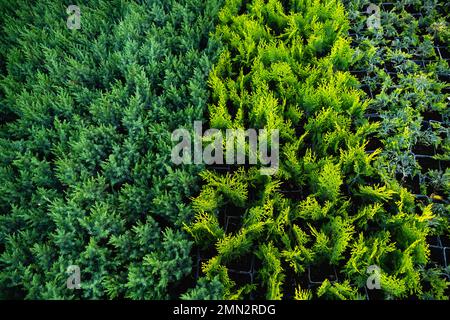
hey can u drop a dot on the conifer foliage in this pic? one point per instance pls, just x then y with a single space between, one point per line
86 117
318 226
87 181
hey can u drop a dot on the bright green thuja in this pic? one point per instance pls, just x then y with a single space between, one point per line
284 67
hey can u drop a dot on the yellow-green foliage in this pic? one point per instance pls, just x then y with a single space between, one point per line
284 65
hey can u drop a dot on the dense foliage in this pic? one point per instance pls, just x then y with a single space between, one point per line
86 117
404 67
86 177
329 207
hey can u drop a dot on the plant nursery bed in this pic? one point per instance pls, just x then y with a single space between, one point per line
85 142
401 25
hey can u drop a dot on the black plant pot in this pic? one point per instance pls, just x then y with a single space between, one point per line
427 162
447 257
445 240
434 241
412 184
432 115
424 150
443 52
374 143
232 224
317 274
